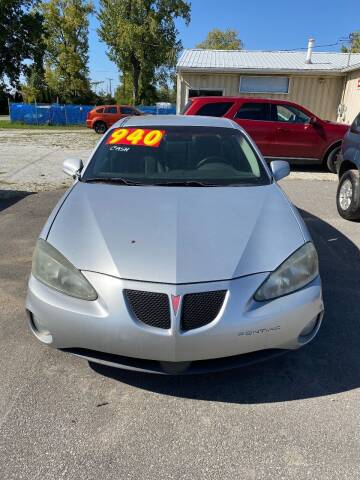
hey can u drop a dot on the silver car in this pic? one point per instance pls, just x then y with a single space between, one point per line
175 251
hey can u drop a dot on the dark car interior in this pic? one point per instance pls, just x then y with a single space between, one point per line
181 155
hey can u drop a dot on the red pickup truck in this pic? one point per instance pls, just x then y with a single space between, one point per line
281 129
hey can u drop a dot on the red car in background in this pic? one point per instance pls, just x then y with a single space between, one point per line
102 117
281 129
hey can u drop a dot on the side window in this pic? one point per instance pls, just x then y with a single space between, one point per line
100 110
288 113
254 111
214 109
355 127
111 110
127 111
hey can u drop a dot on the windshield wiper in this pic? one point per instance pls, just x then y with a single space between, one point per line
119 180
186 183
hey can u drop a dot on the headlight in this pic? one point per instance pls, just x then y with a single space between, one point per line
52 268
301 268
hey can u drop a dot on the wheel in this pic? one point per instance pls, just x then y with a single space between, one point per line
348 195
331 159
100 127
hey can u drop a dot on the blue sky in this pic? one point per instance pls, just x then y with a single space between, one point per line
262 25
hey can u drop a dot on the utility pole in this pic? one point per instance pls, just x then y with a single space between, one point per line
351 41
110 89
96 84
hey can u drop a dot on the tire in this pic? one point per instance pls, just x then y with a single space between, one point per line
331 159
348 195
100 127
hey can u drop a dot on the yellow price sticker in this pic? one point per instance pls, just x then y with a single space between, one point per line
136 136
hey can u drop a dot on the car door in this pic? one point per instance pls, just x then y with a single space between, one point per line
254 117
297 137
351 144
111 115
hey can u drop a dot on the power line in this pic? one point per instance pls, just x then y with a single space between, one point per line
96 84
315 46
110 80
340 41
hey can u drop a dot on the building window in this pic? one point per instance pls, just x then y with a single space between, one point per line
217 109
201 92
255 84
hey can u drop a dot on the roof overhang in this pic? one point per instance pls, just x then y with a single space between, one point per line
351 68
262 71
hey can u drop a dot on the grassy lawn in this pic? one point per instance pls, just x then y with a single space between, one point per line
20 125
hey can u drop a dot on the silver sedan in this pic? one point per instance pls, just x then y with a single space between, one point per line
175 251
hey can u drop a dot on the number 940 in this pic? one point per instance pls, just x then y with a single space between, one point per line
136 136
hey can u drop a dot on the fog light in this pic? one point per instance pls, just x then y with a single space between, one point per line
309 327
38 327
41 331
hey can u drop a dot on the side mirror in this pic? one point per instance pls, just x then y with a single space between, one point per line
280 169
313 121
72 166
354 128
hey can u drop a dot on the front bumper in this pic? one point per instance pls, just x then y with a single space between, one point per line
106 328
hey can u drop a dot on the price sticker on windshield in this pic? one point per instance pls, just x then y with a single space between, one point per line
136 136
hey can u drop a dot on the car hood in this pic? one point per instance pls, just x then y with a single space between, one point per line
173 234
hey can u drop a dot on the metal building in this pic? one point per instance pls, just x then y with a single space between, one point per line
328 83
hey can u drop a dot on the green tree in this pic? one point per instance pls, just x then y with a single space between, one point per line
36 88
355 44
67 27
142 37
29 93
221 40
20 38
166 94
104 98
123 94
21 31
166 85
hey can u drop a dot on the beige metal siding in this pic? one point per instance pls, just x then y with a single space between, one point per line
228 83
351 98
321 95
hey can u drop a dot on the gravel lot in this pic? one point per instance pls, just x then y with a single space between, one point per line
295 417
31 160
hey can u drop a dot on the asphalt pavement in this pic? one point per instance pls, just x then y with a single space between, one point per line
294 417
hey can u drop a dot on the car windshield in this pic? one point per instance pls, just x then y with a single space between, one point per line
172 156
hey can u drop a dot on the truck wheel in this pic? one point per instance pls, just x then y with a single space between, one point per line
100 127
348 195
331 159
